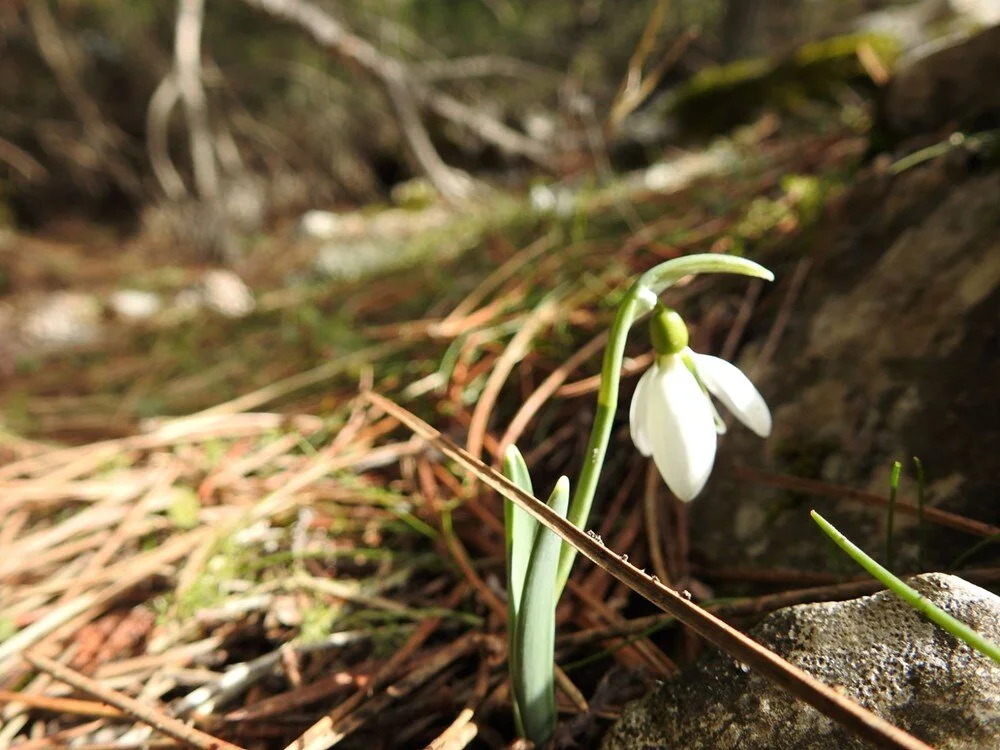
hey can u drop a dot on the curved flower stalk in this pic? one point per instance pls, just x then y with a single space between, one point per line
672 417
538 563
639 300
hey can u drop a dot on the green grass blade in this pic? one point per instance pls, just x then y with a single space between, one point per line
981 544
889 523
909 595
534 638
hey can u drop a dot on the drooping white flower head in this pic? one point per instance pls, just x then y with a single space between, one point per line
672 417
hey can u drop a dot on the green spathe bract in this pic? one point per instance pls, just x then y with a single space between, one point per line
538 564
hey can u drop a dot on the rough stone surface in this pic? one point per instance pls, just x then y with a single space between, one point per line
890 352
875 649
945 88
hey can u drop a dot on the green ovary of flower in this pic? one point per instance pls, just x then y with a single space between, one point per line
667 331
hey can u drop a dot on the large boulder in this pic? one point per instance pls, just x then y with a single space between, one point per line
876 649
943 87
891 352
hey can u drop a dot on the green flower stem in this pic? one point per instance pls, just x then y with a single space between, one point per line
890 516
597 445
909 595
538 563
632 307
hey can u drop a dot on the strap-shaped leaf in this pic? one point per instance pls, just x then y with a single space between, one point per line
519 527
534 637
519 530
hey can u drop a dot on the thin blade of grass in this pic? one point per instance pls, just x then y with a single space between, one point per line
909 595
897 467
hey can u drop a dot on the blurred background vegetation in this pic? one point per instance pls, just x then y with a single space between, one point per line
78 77
443 200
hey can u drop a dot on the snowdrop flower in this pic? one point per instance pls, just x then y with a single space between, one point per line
672 417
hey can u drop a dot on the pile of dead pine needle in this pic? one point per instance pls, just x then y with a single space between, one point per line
313 576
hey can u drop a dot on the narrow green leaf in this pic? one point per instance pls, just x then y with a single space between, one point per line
519 530
909 595
889 522
519 527
535 636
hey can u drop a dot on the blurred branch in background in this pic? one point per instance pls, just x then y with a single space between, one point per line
161 104
636 87
482 66
103 142
21 161
406 92
187 62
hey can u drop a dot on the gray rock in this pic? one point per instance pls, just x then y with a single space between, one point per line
941 86
876 649
890 353
325 225
219 290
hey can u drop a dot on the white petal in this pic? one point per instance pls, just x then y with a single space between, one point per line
638 413
727 383
681 429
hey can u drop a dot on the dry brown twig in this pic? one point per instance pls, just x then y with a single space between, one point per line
933 515
156 719
331 729
543 315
